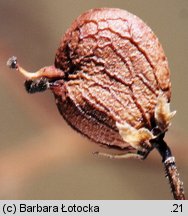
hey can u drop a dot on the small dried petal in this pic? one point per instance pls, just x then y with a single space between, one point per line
135 137
163 115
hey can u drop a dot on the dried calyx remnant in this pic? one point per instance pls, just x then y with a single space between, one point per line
111 83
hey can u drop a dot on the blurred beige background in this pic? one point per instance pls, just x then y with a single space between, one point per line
40 156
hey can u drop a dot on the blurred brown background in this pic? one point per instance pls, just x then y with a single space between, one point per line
40 156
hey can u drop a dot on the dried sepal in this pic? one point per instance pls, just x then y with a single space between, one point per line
137 138
163 115
140 138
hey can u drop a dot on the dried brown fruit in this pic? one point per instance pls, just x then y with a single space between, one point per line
111 82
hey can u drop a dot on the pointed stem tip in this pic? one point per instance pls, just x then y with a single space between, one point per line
48 72
12 62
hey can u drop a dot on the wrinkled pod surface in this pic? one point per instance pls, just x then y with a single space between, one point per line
111 83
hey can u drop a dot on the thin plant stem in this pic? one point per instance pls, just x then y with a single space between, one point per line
171 171
173 176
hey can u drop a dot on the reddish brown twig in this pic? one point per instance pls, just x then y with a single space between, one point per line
173 176
171 170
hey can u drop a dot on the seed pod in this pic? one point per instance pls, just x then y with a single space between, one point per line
110 71
111 83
